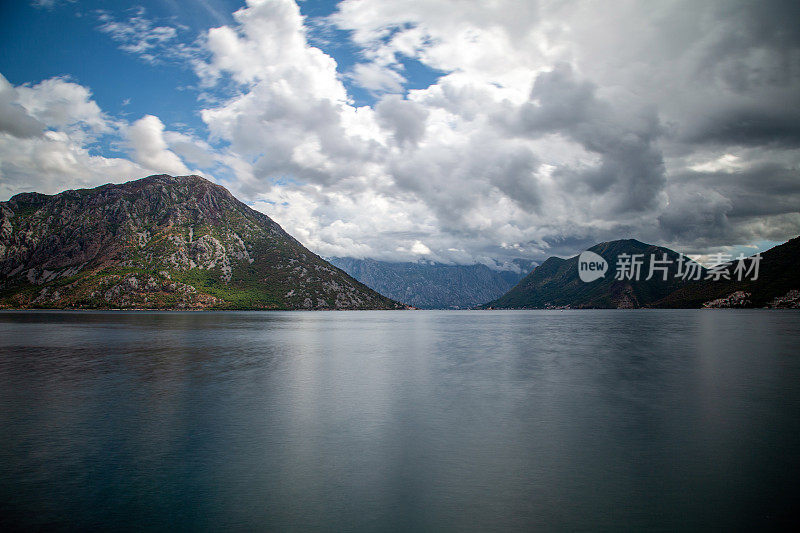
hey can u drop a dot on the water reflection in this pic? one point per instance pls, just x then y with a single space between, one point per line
393 420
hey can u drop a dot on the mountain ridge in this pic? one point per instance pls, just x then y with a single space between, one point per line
774 288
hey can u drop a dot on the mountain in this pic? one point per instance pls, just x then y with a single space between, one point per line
161 242
556 282
429 285
777 285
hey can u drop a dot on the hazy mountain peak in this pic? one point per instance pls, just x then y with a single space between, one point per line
431 284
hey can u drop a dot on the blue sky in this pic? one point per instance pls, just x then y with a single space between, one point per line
446 130
64 39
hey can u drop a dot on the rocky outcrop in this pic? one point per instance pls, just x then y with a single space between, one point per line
161 242
738 299
790 300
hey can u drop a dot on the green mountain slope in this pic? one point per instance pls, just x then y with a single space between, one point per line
777 285
161 242
556 283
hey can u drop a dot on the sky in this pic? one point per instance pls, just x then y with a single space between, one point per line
447 130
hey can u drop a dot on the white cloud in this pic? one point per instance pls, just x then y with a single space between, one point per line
46 136
495 43
49 4
61 104
146 137
724 163
145 38
555 125
377 78
14 118
195 151
269 45
529 139
53 162
419 248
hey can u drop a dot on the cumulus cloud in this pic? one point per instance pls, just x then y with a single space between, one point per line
14 119
546 128
552 125
377 78
191 149
630 175
403 118
62 104
146 137
47 132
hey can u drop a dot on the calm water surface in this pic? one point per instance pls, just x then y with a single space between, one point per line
399 421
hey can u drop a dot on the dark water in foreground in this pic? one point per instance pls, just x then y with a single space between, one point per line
414 421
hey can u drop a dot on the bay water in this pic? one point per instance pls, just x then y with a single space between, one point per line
399 420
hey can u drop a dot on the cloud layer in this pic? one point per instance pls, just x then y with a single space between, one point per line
554 125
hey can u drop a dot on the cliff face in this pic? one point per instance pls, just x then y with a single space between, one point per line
161 242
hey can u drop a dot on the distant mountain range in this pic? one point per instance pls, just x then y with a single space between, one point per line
556 283
429 285
161 242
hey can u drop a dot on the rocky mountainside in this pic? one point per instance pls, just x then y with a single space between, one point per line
428 285
161 242
556 282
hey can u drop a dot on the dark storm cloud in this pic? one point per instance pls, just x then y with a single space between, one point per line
764 190
631 170
768 24
752 64
693 215
750 127
719 206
